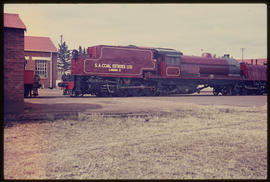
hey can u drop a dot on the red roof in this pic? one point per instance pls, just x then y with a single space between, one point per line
13 21
43 44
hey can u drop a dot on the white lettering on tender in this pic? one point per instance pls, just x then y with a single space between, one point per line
130 67
114 70
98 65
113 67
122 66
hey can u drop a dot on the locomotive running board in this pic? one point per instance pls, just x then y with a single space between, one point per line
140 87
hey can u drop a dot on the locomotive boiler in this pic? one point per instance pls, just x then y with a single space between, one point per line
143 71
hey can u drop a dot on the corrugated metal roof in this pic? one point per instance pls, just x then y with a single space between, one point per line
43 44
13 21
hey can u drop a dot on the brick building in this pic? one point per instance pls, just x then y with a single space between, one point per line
41 56
13 63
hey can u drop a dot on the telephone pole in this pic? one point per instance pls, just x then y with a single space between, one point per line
61 38
242 49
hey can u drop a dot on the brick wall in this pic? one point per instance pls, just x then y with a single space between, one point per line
13 70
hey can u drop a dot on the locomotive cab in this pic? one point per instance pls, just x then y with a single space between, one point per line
169 60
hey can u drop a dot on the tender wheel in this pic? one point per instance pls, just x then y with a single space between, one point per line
215 91
119 93
226 91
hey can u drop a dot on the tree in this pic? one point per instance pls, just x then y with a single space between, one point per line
80 50
63 57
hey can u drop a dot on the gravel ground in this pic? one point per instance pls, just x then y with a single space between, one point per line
197 142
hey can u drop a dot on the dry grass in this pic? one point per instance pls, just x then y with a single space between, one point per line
197 142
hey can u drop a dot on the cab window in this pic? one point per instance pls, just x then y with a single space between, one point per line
172 60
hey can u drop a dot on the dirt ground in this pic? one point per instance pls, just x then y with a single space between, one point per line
194 142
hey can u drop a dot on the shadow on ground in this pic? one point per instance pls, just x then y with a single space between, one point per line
80 107
34 111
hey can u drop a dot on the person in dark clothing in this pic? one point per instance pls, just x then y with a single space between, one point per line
36 85
68 77
64 77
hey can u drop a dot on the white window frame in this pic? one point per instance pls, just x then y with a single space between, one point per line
41 66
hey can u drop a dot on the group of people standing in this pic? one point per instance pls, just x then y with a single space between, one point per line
32 89
66 77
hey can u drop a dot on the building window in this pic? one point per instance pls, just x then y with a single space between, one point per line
41 68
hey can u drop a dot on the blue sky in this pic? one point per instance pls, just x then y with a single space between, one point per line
190 28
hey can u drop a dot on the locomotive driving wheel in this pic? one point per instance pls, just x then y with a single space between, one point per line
120 93
243 91
235 90
148 91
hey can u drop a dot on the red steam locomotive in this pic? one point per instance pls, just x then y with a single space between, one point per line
140 71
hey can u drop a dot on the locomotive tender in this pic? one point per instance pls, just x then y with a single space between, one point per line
142 71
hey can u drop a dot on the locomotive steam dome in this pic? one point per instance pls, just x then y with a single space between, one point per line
206 54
